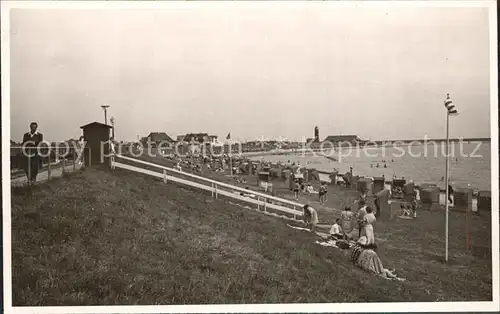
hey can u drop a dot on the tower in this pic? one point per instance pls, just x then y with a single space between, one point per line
316 134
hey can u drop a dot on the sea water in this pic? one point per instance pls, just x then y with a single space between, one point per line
470 163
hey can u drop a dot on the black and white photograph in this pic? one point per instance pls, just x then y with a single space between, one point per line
249 156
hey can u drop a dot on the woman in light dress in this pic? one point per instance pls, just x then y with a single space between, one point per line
310 217
367 259
368 221
346 220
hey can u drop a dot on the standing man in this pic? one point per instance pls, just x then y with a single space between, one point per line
377 204
31 140
322 192
450 193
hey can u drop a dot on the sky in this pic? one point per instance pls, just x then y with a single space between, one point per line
265 72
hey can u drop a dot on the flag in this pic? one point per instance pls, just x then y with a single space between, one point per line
452 110
228 136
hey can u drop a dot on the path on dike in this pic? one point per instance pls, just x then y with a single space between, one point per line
44 174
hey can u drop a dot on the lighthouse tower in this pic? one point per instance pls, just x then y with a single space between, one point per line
316 134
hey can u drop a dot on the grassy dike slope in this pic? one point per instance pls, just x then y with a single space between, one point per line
119 238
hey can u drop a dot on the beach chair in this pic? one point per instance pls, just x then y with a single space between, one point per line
397 188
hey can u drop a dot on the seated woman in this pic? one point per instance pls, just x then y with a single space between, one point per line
368 260
310 189
178 167
336 231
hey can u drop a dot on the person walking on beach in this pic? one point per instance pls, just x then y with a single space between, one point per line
296 189
31 140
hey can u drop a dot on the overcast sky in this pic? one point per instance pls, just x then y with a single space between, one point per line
270 71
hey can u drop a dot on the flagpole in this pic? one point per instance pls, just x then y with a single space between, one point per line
467 228
446 180
467 223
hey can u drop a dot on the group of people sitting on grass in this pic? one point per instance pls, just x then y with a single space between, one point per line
364 251
365 219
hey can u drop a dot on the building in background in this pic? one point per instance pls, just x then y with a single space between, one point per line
343 139
197 138
156 138
194 143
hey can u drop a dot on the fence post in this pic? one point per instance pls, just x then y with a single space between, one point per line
63 165
29 168
216 193
82 156
258 202
48 168
265 205
213 190
165 176
111 158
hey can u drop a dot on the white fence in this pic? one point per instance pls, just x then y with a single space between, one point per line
262 201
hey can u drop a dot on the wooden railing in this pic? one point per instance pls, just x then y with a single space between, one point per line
66 159
262 201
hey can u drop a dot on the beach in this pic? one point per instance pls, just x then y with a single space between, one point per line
474 169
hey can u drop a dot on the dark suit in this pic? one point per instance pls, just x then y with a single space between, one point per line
377 205
450 193
32 158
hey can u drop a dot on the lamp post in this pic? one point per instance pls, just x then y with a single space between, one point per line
105 108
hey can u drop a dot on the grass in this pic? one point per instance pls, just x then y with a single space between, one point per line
104 237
